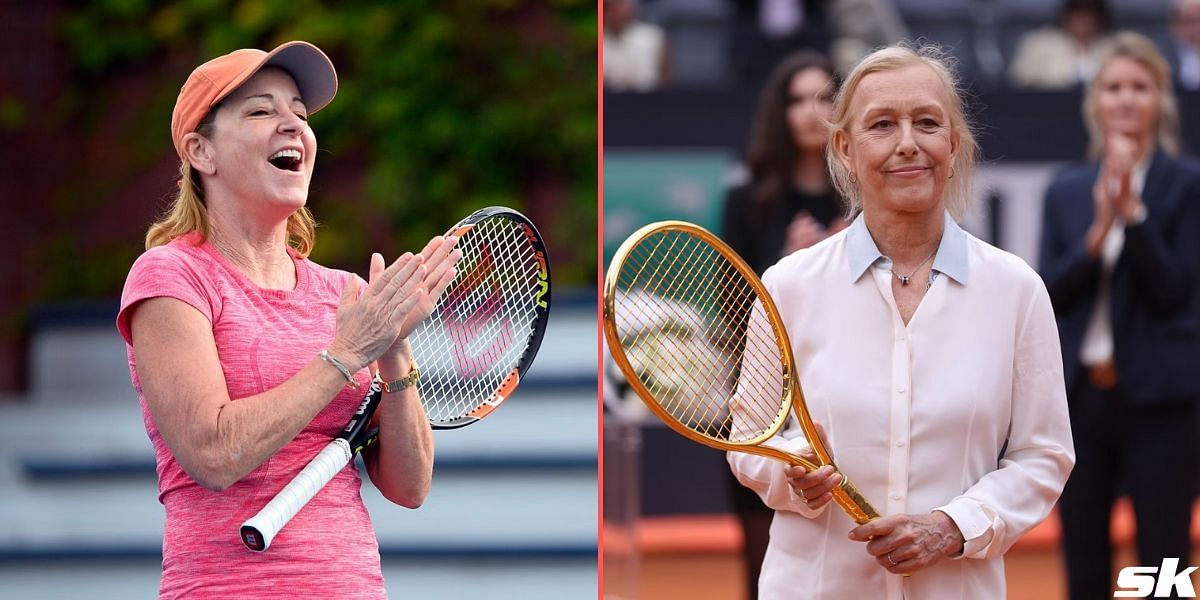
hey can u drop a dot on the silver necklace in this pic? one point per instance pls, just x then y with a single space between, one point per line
904 279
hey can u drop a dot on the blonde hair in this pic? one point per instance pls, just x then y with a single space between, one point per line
957 195
188 213
1140 49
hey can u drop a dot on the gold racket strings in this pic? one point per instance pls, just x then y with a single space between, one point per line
695 333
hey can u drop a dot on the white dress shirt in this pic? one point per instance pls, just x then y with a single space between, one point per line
1049 59
963 410
633 58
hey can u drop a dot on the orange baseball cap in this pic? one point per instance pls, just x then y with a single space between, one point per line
212 81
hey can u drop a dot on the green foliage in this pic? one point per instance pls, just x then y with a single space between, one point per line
13 113
443 107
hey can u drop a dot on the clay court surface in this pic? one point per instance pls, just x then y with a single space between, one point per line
696 558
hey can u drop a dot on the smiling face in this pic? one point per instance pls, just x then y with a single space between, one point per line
898 141
261 151
1127 100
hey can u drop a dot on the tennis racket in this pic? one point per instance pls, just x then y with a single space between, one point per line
701 342
472 351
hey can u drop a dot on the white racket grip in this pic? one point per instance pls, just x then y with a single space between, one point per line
259 530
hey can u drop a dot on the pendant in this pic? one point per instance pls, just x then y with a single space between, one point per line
903 280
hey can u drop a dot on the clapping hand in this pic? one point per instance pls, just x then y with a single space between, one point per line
377 321
802 232
439 257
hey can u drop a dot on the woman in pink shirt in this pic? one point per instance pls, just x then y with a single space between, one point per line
248 358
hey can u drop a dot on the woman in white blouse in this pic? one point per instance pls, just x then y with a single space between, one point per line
930 358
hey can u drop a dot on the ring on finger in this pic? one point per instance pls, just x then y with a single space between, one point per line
890 559
803 497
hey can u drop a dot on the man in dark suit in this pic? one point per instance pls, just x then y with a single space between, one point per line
1120 255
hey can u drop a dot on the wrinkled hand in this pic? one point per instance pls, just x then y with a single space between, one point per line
440 256
815 488
368 323
377 322
905 544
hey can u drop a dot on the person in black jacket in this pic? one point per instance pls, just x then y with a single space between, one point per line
789 202
1120 255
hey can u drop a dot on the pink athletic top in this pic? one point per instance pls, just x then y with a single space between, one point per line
263 338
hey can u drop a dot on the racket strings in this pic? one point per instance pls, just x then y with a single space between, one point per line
686 320
477 334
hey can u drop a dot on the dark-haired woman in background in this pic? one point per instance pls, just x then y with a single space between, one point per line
788 204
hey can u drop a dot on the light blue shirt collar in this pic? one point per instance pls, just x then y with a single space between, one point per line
950 260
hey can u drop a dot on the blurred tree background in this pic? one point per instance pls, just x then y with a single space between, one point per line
443 107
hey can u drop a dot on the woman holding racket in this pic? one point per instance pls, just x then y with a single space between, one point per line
929 357
1121 256
248 357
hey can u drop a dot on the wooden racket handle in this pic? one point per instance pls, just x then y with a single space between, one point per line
852 501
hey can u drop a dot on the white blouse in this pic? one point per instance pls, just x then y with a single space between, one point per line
963 410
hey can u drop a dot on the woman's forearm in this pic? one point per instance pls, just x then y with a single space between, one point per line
401 464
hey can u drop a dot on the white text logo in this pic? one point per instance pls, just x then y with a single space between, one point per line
1138 582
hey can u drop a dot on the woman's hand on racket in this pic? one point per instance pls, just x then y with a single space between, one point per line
905 544
814 488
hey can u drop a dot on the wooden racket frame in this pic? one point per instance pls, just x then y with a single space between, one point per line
846 494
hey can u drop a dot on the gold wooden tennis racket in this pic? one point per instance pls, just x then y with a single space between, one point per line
696 334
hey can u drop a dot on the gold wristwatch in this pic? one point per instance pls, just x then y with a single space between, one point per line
400 384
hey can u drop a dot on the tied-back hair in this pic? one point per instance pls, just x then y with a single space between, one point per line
957 194
189 214
1140 49
772 152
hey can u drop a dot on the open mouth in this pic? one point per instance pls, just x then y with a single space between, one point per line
286 160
